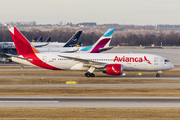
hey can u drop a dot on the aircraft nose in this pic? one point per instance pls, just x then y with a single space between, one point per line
172 66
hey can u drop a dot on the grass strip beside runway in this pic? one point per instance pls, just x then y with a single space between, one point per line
92 91
89 114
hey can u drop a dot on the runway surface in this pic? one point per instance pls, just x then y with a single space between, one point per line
100 85
102 76
90 102
44 69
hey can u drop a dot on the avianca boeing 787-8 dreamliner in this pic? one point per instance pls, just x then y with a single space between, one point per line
109 63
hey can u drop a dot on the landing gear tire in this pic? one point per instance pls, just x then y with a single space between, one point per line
87 74
157 75
92 75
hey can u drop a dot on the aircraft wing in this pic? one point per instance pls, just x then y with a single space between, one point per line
86 62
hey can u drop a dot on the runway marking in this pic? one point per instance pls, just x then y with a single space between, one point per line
104 77
93 102
100 85
29 101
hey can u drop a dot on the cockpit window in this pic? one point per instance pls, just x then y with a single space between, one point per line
166 60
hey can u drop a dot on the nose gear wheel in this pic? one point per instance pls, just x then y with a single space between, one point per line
157 75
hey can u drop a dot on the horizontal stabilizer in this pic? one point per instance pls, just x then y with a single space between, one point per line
72 51
18 57
105 49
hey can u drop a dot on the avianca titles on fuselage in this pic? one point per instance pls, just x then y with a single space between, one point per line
109 63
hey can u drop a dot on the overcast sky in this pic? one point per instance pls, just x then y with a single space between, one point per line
139 12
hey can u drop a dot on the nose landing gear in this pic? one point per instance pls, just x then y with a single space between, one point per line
157 75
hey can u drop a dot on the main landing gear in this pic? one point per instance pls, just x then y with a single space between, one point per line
88 74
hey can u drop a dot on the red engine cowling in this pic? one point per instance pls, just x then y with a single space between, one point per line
114 69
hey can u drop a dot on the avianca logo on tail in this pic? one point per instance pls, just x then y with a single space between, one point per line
131 59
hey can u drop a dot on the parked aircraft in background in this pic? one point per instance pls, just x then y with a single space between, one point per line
9 47
70 43
39 40
48 39
34 39
109 63
99 46
101 43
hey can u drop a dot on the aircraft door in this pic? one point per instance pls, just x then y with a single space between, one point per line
156 61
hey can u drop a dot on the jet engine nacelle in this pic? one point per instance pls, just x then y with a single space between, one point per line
113 69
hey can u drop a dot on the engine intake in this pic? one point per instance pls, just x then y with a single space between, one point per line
113 69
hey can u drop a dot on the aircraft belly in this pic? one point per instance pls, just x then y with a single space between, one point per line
141 67
137 67
65 65
78 66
